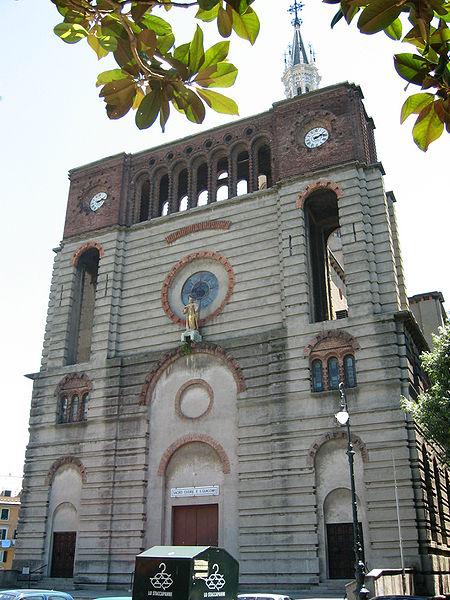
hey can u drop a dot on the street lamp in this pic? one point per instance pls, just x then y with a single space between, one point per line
343 418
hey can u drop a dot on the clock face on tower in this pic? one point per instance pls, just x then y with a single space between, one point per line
316 137
97 201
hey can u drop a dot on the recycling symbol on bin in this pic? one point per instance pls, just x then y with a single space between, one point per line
162 580
215 581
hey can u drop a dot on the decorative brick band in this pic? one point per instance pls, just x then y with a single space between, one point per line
74 382
331 341
182 263
318 185
204 225
189 439
82 249
179 396
336 435
61 462
167 360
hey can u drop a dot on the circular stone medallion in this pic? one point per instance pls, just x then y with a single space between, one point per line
194 399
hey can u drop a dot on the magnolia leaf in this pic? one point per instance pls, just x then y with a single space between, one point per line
71 33
156 24
219 102
148 41
247 25
216 54
181 53
139 9
224 22
208 15
195 109
350 8
221 75
394 30
378 15
116 91
165 42
138 99
208 4
196 52
337 17
148 109
427 128
164 114
414 104
112 75
107 42
96 47
411 67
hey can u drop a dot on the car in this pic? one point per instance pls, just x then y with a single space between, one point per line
32 594
399 597
259 596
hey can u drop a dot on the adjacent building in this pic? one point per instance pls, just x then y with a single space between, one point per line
9 515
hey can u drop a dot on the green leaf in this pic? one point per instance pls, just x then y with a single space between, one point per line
108 42
165 42
96 47
411 67
378 15
414 104
215 54
111 75
394 30
156 24
208 4
219 102
148 109
224 22
71 33
195 109
427 128
221 75
247 25
119 96
196 52
208 15
337 17
181 53
138 10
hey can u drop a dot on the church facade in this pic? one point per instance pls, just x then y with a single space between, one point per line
279 228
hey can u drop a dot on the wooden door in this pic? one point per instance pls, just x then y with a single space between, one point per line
341 556
63 553
196 525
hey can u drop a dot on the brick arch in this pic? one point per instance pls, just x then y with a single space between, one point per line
318 185
331 340
336 435
74 382
82 249
61 462
203 348
189 439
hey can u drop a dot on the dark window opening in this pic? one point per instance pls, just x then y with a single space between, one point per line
243 173
163 195
202 185
333 373
71 408
82 318
326 259
222 180
317 376
144 205
349 371
182 190
264 168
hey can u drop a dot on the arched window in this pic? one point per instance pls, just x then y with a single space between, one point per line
184 203
182 189
317 376
63 406
333 373
349 371
264 167
82 313
163 197
326 262
202 185
74 409
222 179
243 172
73 394
144 201
84 406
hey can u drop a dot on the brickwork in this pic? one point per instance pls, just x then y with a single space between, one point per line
189 439
203 226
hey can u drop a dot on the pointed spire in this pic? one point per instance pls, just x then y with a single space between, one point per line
300 74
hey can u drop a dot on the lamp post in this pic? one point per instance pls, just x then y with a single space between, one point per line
343 418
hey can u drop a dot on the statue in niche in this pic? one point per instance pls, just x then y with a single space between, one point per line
191 312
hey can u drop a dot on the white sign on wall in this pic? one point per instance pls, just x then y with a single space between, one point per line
191 492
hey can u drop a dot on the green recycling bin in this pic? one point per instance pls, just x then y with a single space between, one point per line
185 573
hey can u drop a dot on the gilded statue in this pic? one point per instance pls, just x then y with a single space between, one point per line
191 312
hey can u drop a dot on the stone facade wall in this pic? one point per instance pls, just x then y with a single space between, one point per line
266 439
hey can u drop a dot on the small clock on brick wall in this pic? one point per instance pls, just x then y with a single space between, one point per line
92 202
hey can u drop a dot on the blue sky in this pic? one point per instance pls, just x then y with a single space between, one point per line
52 120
